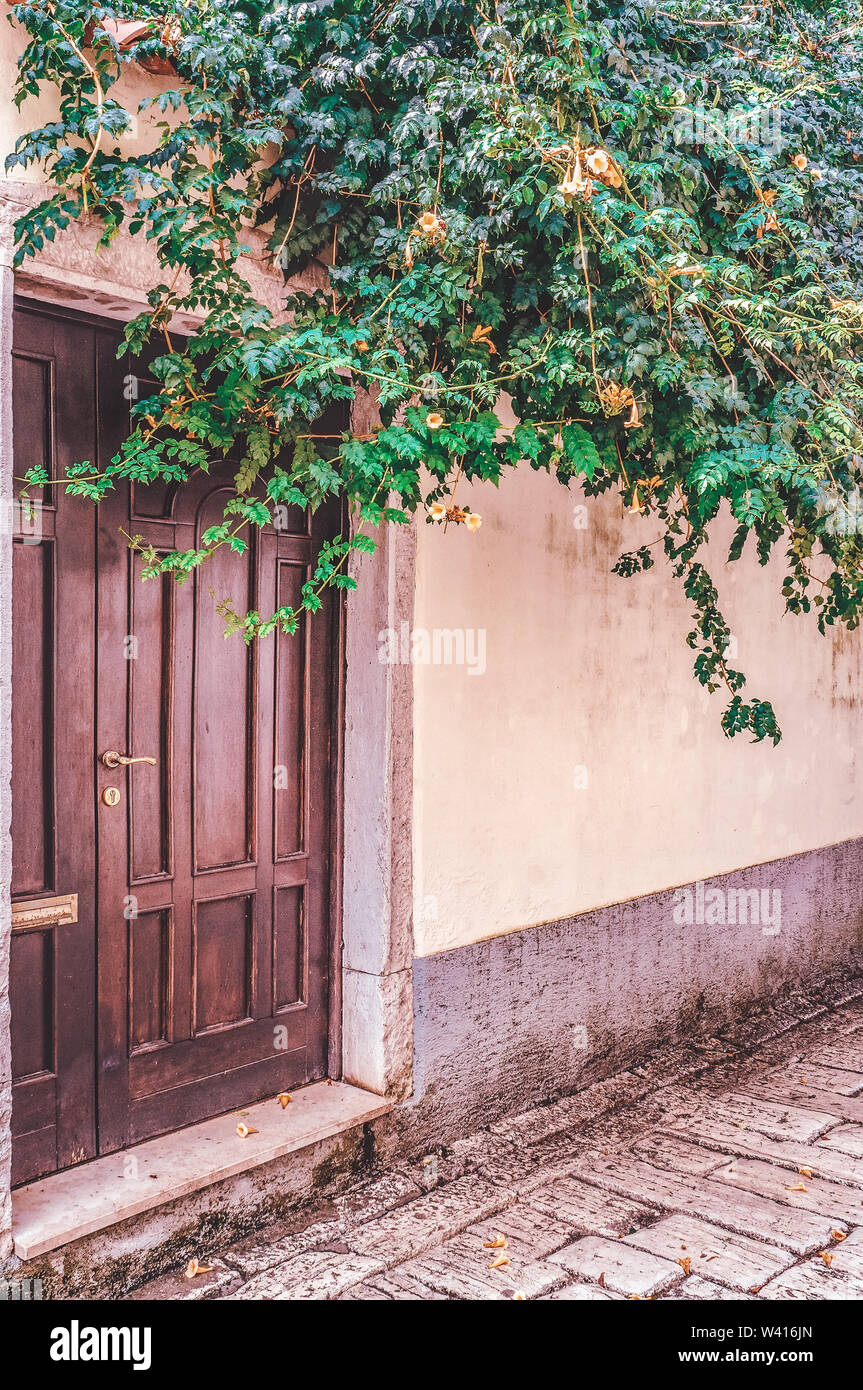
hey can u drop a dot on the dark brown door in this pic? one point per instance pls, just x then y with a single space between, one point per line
53 958
204 904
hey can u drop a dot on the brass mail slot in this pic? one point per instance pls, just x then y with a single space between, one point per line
45 912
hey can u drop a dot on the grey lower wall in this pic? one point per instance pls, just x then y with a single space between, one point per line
519 1019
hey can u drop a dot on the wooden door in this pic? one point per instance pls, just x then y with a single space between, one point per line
210 884
53 961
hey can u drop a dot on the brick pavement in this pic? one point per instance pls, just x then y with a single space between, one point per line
727 1167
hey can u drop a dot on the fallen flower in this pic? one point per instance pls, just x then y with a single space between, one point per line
499 1243
244 1130
499 1262
194 1267
284 1099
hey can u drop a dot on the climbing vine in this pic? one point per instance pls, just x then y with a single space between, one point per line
639 222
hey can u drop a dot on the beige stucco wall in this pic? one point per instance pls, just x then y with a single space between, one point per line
585 670
134 85
74 271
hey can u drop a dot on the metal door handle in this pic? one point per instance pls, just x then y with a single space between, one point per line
114 759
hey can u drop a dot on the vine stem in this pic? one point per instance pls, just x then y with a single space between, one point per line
583 257
100 102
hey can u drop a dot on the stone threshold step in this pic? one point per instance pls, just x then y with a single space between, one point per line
80 1201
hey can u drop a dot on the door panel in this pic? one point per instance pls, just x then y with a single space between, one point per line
150 707
223 680
53 820
204 985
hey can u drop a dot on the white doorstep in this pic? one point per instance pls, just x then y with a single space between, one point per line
75 1203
